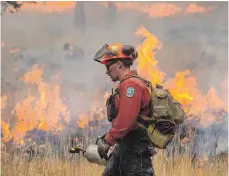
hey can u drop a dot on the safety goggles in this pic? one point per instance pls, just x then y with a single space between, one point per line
110 63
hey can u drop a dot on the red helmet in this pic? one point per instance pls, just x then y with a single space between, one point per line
115 51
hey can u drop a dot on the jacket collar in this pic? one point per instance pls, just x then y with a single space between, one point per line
130 73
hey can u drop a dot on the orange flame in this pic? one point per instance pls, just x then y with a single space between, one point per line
194 8
183 87
7 136
33 77
159 9
94 114
83 120
147 66
48 7
42 113
43 125
152 9
201 162
105 97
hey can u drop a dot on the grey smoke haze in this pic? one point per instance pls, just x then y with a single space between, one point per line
190 41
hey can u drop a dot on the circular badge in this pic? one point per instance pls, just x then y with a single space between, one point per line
130 92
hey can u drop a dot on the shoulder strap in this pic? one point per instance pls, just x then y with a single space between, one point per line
136 76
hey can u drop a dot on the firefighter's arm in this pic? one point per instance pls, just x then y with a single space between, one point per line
130 104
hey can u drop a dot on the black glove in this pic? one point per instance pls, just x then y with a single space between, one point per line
103 148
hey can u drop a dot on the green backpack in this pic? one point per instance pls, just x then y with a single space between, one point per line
165 114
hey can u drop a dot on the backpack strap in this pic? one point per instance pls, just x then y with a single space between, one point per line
136 76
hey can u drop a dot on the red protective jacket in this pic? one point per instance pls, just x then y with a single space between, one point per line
133 99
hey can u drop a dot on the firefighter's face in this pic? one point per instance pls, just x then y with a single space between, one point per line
112 70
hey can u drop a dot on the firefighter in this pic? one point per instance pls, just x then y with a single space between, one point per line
133 151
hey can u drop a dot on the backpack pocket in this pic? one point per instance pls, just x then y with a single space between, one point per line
178 112
160 104
157 138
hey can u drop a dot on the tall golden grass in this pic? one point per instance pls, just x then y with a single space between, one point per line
16 164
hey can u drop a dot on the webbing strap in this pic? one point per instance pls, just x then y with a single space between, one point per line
136 76
145 120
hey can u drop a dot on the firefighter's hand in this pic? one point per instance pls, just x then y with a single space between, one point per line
103 148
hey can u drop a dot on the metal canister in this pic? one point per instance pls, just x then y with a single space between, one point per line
92 155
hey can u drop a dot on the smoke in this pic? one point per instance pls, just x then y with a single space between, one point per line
222 146
190 41
211 141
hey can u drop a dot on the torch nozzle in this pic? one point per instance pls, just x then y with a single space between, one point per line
76 149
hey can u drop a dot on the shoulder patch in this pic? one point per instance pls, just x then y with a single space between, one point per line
130 92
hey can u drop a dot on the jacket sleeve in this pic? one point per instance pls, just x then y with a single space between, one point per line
129 109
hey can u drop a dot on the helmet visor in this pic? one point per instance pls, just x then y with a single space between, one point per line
100 54
104 51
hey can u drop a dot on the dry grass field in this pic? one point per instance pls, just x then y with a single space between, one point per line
17 165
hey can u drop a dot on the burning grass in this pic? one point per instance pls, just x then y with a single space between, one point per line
44 109
17 164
